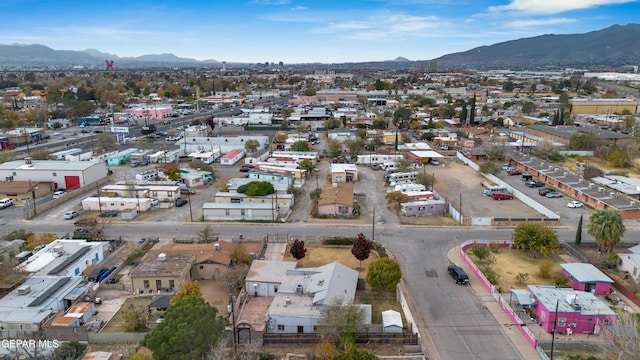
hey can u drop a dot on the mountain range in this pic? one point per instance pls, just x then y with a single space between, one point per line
613 46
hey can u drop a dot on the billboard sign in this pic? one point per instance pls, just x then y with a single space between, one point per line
119 129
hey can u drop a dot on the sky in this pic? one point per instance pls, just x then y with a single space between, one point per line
299 31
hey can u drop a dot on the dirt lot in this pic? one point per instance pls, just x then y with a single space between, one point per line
318 256
458 183
511 262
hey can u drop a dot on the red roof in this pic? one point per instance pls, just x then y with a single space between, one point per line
231 154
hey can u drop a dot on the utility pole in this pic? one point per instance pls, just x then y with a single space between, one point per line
555 324
373 225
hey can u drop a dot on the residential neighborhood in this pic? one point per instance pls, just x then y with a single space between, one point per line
280 211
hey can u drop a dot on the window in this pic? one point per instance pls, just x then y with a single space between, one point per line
201 267
55 174
280 327
562 321
171 284
158 284
242 212
146 284
275 288
76 271
227 212
606 322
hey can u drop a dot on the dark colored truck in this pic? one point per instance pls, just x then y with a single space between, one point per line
458 274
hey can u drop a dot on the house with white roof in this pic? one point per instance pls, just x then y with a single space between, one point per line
65 257
577 311
630 262
59 174
265 276
303 294
587 277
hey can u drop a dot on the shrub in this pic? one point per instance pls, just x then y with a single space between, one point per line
559 279
545 268
339 241
495 247
491 275
480 251
522 278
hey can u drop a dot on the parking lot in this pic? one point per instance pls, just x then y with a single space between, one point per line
461 186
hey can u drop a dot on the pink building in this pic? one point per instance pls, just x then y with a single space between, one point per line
586 277
578 312
153 112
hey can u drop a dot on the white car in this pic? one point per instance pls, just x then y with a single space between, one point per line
58 193
154 202
574 204
70 215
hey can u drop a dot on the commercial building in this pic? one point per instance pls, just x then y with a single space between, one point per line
68 175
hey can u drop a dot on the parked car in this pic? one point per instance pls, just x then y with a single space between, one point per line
434 162
6 202
85 131
186 191
574 204
375 167
514 172
154 202
58 193
553 194
458 274
180 202
544 191
109 213
534 183
502 196
71 214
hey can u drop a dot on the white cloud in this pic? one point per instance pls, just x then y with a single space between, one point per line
298 8
270 2
384 27
546 7
538 22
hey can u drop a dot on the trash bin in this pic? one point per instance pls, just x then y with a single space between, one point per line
241 236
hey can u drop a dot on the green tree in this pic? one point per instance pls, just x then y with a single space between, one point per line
333 124
425 179
355 146
40 155
191 327
528 107
401 117
310 92
379 125
298 250
582 141
239 256
251 145
607 227
339 322
281 137
536 237
351 351
173 173
106 142
384 273
69 351
334 147
300 146
579 232
7 155
307 165
489 167
189 288
257 188
404 165
618 157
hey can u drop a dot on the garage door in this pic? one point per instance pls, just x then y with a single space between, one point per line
72 182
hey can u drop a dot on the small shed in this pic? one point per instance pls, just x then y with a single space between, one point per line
391 321
587 277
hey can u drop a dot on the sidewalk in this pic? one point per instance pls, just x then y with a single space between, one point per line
511 331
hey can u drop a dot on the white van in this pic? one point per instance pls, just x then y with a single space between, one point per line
5 203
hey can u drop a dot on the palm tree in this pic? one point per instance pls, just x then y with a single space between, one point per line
607 227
